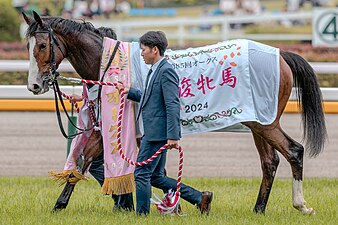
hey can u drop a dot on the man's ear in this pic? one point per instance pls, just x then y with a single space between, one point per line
156 50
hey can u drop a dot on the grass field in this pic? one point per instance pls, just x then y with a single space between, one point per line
29 200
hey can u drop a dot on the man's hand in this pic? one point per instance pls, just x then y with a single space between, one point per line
75 98
120 86
173 144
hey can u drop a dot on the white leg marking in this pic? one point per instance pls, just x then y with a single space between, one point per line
298 201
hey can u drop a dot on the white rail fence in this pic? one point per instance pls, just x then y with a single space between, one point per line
21 92
182 28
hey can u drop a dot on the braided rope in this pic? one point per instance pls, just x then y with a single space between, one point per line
71 98
97 82
91 106
77 80
90 103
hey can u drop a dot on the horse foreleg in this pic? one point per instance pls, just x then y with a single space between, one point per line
63 199
92 149
269 163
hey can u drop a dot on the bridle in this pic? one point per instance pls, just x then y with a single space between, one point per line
52 76
52 80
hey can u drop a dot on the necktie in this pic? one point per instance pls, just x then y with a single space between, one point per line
147 80
145 89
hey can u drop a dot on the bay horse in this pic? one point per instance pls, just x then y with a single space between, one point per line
83 48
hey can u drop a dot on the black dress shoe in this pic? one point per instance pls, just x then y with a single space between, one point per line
204 205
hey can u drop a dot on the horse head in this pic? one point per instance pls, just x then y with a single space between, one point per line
44 56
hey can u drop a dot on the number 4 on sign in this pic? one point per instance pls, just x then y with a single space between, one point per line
331 28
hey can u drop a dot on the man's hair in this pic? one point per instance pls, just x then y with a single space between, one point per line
155 38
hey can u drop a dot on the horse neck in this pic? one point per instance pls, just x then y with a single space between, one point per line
84 53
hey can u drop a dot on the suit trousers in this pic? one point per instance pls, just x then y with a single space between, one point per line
152 174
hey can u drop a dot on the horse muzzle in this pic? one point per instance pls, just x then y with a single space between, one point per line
38 89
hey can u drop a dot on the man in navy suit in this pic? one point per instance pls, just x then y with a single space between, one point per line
160 110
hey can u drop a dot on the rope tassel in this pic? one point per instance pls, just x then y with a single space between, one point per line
169 204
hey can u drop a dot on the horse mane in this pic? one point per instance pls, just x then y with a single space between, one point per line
67 27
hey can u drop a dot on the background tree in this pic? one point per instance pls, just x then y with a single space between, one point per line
9 22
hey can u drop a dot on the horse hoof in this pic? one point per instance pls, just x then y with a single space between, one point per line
259 209
306 211
311 211
55 210
58 207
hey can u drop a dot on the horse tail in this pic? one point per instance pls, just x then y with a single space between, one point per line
309 94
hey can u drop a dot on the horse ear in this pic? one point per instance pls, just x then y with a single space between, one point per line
38 19
27 19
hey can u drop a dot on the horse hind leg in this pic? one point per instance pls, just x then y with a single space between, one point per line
293 153
295 157
269 163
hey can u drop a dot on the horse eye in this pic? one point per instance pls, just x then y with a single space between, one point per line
42 46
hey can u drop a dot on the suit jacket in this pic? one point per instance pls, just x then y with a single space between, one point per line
160 106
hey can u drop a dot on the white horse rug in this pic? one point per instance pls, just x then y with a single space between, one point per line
221 85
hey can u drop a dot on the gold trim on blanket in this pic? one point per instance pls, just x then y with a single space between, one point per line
119 185
71 176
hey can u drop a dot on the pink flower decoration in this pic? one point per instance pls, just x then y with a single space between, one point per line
114 70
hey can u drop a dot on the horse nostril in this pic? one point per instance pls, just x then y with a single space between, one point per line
36 87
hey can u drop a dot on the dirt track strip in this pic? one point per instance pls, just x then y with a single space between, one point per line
32 145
